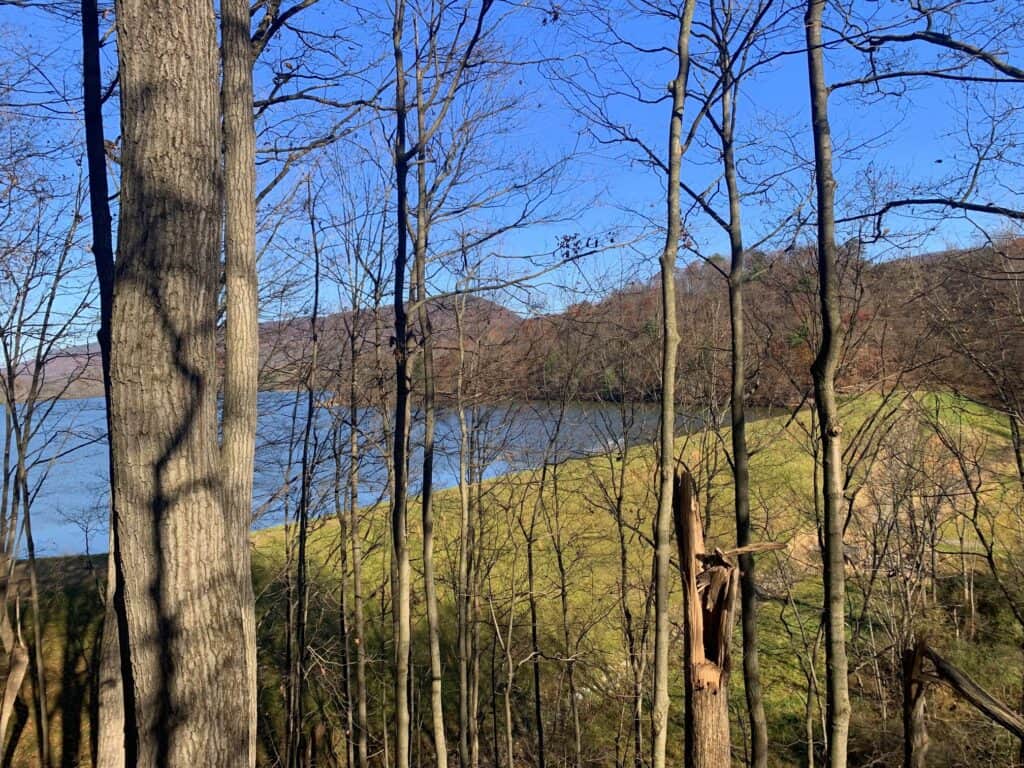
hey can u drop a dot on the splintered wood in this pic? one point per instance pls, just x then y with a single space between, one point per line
710 584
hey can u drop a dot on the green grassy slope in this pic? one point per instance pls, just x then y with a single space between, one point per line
577 539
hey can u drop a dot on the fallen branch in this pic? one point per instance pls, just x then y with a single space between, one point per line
985 702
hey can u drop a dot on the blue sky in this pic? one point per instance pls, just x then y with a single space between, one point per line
606 189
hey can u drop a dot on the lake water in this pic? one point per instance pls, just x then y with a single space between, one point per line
69 475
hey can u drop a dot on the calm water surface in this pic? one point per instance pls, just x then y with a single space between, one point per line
69 473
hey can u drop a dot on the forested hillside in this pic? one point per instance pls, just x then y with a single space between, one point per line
919 317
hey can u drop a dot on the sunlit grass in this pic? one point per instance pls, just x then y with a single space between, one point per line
573 514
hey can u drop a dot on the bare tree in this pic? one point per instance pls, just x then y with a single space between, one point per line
670 342
823 371
110 738
737 36
241 331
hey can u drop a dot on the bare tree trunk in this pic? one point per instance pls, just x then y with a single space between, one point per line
812 693
463 590
298 744
110 691
17 668
740 454
495 748
915 732
241 333
570 672
474 674
531 587
1017 441
402 572
185 676
359 638
510 673
290 588
709 598
42 707
344 632
635 640
468 591
670 343
426 331
555 529
476 589
824 372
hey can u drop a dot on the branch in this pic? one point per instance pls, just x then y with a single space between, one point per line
945 202
961 46
976 695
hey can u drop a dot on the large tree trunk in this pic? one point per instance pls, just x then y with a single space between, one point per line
185 679
109 744
824 373
241 333
709 597
669 347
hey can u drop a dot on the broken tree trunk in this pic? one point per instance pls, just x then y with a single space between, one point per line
915 733
709 597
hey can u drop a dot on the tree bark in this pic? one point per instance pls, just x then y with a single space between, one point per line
529 534
538 695
241 332
570 671
823 372
669 347
344 631
185 675
110 691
